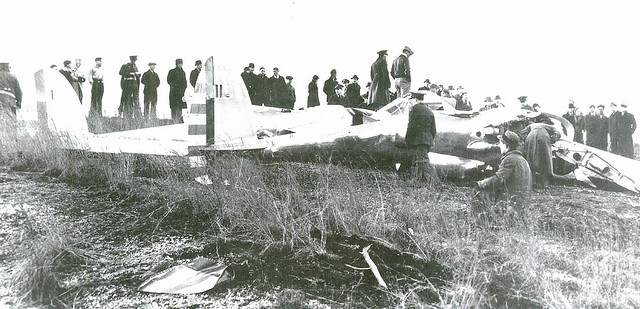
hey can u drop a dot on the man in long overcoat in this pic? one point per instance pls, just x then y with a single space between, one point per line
313 99
590 126
537 150
177 80
277 89
601 129
353 92
193 77
261 88
576 119
625 126
151 81
380 82
330 84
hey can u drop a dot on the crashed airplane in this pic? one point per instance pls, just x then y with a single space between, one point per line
221 118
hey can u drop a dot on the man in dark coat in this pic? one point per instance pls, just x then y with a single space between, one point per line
338 98
10 92
600 129
151 81
330 84
193 77
277 89
577 121
246 78
72 78
289 98
353 93
512 181
130 83
589 125
253 79
537 150
421 132
613 135
313 99
401 72
177 80
625 126
261 87
380 82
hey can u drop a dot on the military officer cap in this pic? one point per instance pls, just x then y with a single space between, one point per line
152 63
133 57
67 62
510 138
382 52
289 77
355 77
98 59
407 49
334 71
178 61
198 62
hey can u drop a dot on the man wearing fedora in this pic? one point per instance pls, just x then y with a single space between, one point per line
401 72
151 81
10 92
380 82
512 181
193 77
177 80
130 83
330 84
576 120
353 93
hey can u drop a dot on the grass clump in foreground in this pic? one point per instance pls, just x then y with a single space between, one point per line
573 247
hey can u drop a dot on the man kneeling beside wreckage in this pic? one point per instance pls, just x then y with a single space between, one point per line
511 184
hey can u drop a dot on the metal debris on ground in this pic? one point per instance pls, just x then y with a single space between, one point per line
198 276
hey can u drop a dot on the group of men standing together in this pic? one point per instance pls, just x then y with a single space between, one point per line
613 132
130 80
269 91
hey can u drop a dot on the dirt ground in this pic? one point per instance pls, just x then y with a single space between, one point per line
124 256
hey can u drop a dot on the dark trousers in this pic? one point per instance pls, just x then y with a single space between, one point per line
150 102
130 101
97 90
176 115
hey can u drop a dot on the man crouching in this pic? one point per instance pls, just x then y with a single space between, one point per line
512 182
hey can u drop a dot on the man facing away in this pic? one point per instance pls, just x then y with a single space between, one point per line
151 81
401 72
538 152
193 77
96 78
130 84
10 92
177 80
380 82
421 133
330 84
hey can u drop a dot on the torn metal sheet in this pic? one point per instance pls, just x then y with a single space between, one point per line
198 276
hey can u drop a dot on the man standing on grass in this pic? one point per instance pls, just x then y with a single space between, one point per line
421 132
151 81
177 81
130 84
625 126
97 88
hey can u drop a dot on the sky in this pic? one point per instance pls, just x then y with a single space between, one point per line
550 51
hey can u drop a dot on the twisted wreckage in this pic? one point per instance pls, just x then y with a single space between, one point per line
221 118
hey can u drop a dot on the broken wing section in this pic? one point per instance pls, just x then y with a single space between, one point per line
603 169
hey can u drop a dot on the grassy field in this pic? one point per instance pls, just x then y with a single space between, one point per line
290 228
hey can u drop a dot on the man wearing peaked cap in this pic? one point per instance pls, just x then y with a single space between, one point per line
10 92
193 77
380 82
401 72
512 181
289 99
151 81
130 84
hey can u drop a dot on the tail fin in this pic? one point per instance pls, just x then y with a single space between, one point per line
220 109
59 109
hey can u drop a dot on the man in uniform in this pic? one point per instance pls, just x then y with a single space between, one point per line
261 88
290 95
380 82
177 80
401 72
625 126
353 92
130 83
277 89
10 92
512 181
330 84
151 81
97 88
193 77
